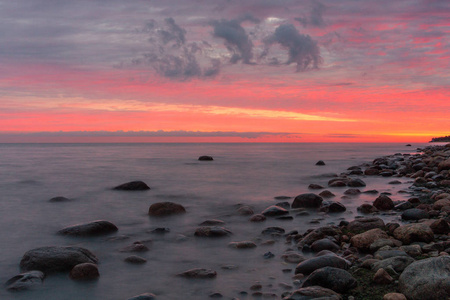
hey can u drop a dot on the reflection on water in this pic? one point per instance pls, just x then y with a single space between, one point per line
250 174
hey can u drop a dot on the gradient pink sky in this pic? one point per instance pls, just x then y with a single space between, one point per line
233 71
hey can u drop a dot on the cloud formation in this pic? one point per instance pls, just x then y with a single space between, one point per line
302 49
315 18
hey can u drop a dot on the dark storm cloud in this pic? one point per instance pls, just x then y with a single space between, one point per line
236 39
302 49
315 18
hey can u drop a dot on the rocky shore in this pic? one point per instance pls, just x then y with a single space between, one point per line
361 258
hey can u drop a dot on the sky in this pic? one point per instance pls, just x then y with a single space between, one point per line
224 70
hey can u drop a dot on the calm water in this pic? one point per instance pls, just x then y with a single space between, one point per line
252 174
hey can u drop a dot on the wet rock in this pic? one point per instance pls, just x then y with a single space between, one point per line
367 208
414 214
364 224
214 231
55 259
313 186
313 292
308 200
205 158
329 260
414 233
324 244
258 218
364 240
379 243
371 171
398 263
317 234
59 199
426 279
145 296
327 194
331 278
352 192
268 255
382 277
161 209
320 163
440 227
292 257
25 281
285 218
282 197
90 229
356 183
412 250
273 231
274 210
332 207
337 183
383 202
403 205
199 273
134 259
212 222
245 211
135 247
84 271
242 245
395 182
133 186
160 230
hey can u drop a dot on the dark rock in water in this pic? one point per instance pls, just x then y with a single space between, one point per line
55 259
395 182
356 183
403 205
314 186
258 218
135 247
320 163
408 145
242 245
285 205
214 231
398 263
273 230
367 208
414 214
411 233
84 271
274 210
268 255
313 292
282 197
161 209
90 229
383 202
211 222
205 158
426 279
337 183
324 244
364 224
134 259
160 230
329 260
199 273
371 172
327 194
332 207
25 281
146 296
352 192
133 186
59 199
335 279
308 200
285 218
245 211
371 192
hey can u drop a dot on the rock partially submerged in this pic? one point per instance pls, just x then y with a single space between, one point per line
132 186
199 273
84 271
90 229
56 259
206 158
25 281
307 200
162 209
212 231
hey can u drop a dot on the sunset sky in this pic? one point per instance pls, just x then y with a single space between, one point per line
224 70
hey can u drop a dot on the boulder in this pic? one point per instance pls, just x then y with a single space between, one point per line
356 183
90 229
414 214
133 186
426 279
198 273
417 232
245 211
313 292
324 244
211 222
317 234
308 200
25 281
327 194
211 231
161 209
331 278
84 271
329 260
383 202
363 240
55 259
205 158
367 208
258 218
242 245
332 207
364 224
440 226
274 210
398 263
439 204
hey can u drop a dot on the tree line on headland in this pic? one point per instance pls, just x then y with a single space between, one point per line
442 139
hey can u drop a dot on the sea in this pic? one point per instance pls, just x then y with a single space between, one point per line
251 174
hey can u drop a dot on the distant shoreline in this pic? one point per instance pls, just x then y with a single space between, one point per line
443 139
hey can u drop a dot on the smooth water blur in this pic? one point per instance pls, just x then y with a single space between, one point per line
251 174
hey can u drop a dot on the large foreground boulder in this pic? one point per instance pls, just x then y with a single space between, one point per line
161 209
133 186
331 278
308 200
426 279
55 259
90 229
